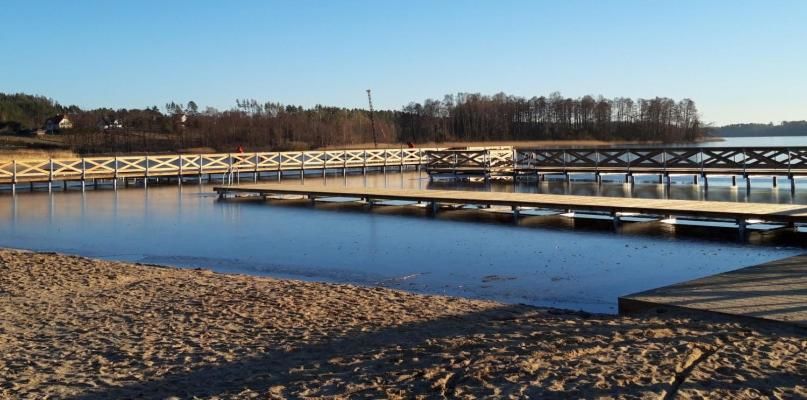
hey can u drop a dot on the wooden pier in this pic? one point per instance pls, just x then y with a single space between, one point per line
698 162
485 162
775 291
616 207
14 172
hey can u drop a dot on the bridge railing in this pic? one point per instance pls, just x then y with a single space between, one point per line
42 170
740 160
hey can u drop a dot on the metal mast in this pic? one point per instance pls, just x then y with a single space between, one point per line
372 121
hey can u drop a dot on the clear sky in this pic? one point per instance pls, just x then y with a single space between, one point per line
741 61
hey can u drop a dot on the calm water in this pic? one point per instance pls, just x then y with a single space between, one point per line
759 141
553 261
543 260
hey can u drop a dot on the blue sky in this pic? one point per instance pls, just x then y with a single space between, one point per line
741 61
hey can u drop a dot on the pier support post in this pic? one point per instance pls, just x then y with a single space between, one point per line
434 206
741 228
617 221
660 179
734 180
792 185
705 181
775 183
516 212
694 179
748 183
669 180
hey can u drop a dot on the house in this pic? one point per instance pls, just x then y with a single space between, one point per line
58 123
107 124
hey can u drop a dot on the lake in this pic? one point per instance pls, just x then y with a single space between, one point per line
543 260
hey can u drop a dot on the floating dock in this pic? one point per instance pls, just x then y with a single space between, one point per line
616 207
775 291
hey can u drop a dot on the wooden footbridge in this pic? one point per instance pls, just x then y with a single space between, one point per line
14 172
616 207
700 162
789 162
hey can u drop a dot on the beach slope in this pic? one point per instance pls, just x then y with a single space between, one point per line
72 327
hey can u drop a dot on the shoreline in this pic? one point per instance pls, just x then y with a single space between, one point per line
72 326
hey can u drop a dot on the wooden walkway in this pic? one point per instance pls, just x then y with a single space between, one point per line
615 206
776 291
14 172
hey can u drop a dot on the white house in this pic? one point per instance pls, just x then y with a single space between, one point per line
58 122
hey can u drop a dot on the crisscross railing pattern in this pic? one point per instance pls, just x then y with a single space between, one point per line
44 170
735 160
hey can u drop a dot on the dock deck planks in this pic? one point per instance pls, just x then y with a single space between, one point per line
785 213
775 291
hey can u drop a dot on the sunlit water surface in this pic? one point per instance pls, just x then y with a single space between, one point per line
542 260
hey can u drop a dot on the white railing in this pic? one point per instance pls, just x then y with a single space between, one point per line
48 170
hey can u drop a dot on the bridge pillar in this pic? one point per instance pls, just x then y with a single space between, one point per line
775 183
669 180
516 212
748 183
734 180
617 221
660 179
741 228
792 185
694 179
434 206
705 180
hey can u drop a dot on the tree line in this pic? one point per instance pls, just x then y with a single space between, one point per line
785 128
263 126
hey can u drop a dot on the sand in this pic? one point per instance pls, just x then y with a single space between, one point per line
72 327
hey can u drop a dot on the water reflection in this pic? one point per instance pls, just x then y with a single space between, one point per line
544 260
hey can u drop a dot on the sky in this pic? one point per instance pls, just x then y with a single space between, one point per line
740 61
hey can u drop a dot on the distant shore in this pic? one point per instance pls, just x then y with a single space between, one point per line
82 328
22 153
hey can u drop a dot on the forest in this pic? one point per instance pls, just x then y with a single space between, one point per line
786 128
263 126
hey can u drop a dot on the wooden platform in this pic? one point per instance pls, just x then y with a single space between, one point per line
740 212
776 291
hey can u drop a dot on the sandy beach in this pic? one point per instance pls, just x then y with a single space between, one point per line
72 327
